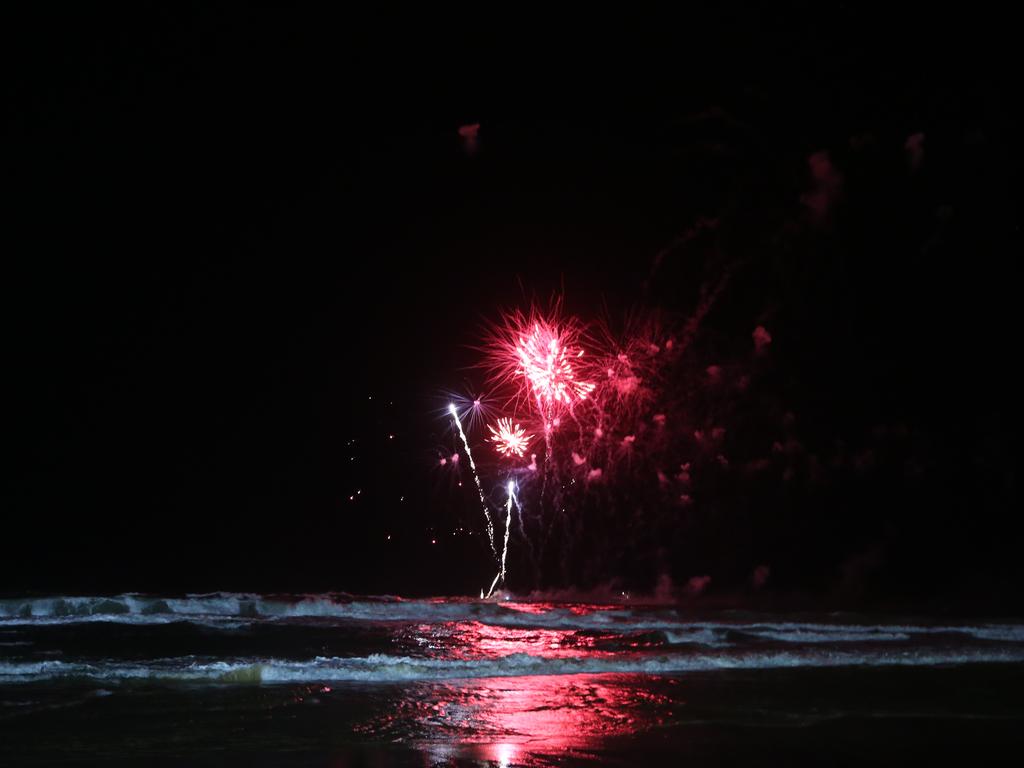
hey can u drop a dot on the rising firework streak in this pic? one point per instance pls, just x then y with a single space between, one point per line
476 477
500 578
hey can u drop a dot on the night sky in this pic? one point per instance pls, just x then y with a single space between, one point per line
247 251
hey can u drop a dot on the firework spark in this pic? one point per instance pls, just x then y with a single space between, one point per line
509 440
475 409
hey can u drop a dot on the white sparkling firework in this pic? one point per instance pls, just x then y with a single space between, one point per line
509 440
500 577
476 477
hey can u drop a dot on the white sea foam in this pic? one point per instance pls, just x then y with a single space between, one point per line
694 636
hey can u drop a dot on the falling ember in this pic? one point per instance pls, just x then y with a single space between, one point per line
509 440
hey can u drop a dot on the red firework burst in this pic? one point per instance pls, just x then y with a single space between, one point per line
543 354
547 362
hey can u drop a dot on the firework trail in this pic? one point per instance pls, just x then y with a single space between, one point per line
508 526
476 477
500 578
708 297
522 531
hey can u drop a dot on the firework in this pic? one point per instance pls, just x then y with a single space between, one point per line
475 409
611 401
509 440
547 362
541 355
476 477
500 577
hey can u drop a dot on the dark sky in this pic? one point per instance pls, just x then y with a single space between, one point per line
247 246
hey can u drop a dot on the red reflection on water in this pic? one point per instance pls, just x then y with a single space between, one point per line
523 720
574 608
473 640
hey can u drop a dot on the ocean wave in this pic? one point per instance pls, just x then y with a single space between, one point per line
234 610
382 668
841 635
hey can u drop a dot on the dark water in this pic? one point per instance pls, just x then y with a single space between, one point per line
334 681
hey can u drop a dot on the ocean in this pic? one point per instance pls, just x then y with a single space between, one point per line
335 680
